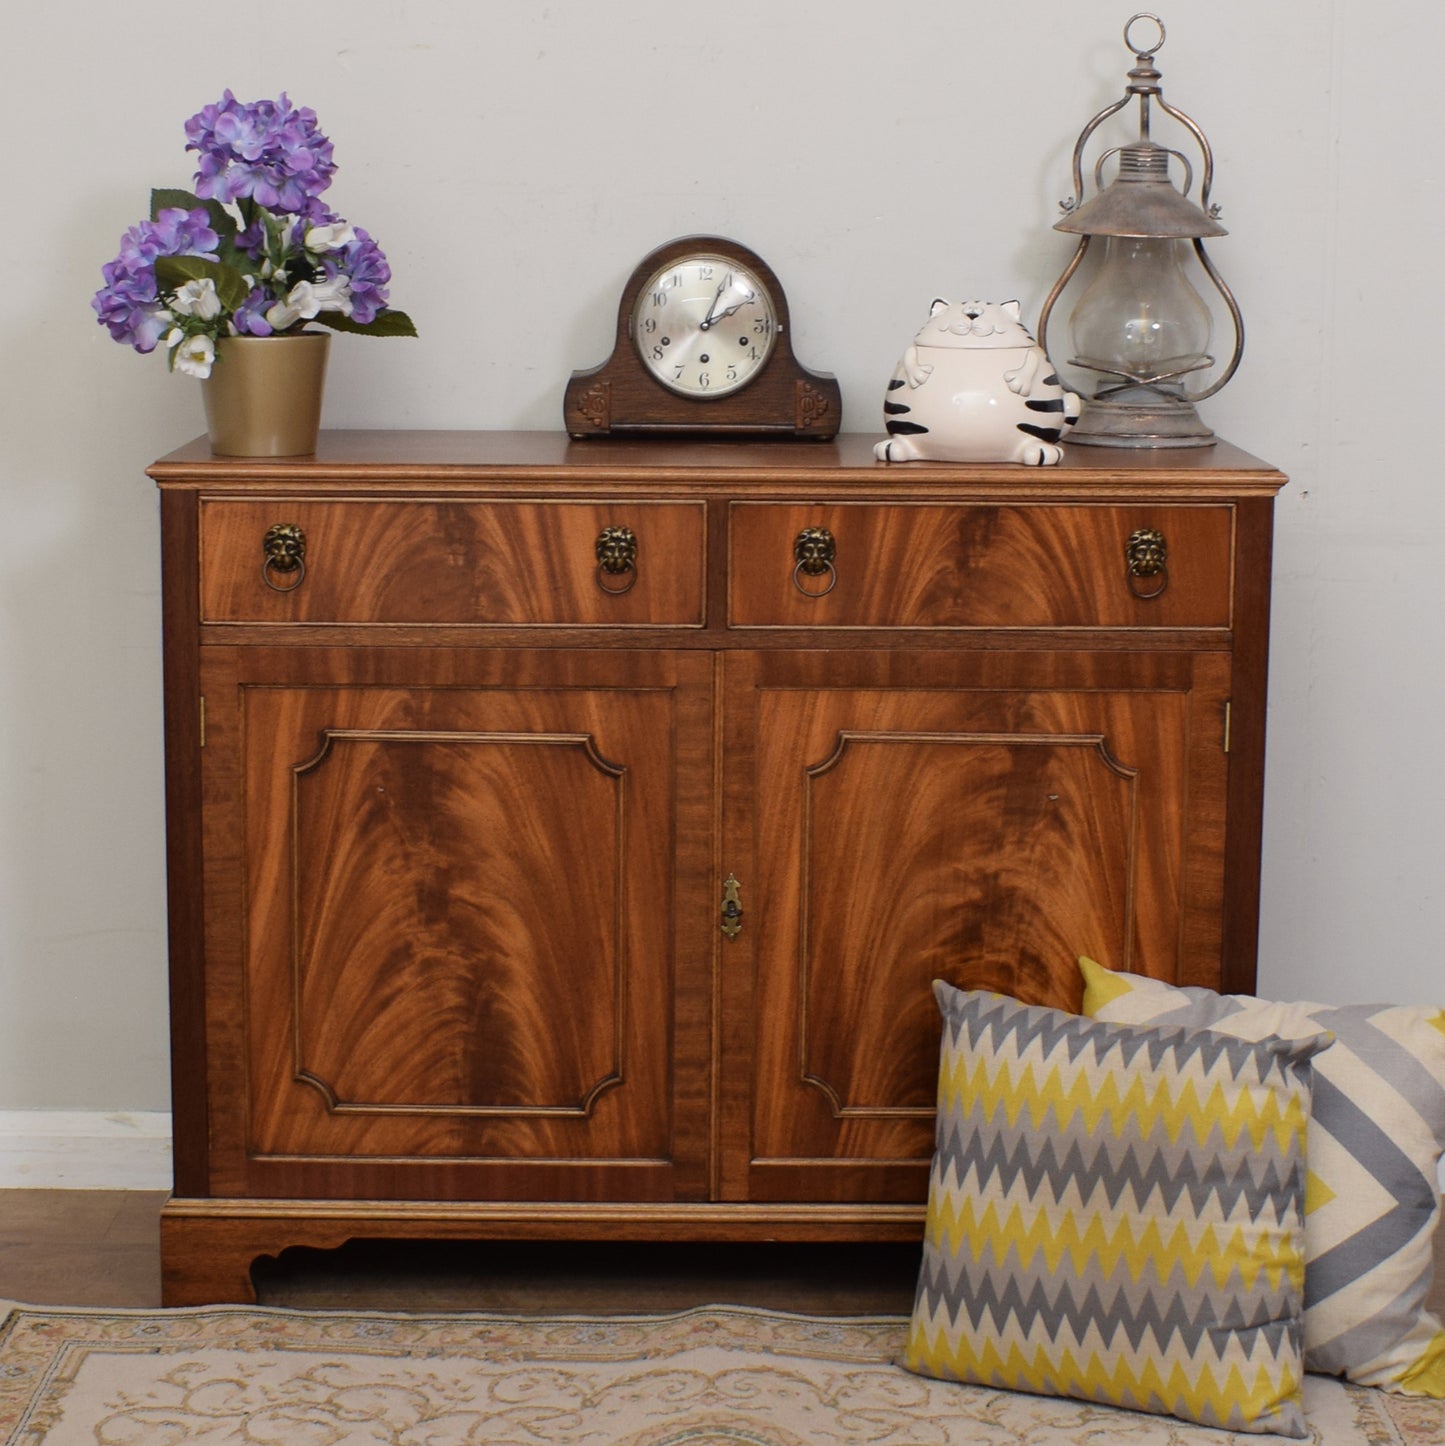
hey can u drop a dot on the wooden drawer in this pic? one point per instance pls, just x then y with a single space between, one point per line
452 562
1042 565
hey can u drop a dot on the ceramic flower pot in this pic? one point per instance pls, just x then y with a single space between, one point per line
263 397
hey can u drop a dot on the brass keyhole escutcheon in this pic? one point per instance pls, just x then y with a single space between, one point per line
1146 556
732 908
813 552
616 550
284 553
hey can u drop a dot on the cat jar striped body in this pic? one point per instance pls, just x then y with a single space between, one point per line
974 386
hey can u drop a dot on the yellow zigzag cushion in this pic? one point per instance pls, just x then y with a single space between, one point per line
1116 1214
1376 1133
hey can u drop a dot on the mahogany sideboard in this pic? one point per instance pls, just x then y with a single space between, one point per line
563 836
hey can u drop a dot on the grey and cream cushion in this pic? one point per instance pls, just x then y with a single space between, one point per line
1377 1130
1116 1214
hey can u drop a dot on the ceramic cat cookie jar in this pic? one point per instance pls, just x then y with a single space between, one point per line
974 386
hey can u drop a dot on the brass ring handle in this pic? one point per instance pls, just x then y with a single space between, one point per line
284 552
1146 555
616 551
813 552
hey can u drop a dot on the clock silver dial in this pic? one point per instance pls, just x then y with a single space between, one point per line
704 326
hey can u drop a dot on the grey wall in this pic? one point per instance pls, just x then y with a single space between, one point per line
515 161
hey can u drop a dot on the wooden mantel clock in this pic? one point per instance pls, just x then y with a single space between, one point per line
703 346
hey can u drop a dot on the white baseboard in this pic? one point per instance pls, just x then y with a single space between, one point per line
74 1150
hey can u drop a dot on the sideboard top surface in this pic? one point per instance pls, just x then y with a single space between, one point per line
392 460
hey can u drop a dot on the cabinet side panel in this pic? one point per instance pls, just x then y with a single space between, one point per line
180 606
1246 747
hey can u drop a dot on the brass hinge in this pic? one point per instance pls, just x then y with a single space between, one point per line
203 720
1227 706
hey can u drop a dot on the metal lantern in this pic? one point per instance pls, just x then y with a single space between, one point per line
1141 324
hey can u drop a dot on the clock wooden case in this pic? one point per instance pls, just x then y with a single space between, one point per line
704 345
524 884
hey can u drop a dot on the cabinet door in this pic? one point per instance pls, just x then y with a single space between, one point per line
446 957
983 818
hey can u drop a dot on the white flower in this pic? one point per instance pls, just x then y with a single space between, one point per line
307 298
194 354
198 298
330 238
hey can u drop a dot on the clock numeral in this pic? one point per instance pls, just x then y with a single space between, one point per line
704 273
658 353
677 374
732 373
650 325
659 298
704 381
753 354
762 326
675 279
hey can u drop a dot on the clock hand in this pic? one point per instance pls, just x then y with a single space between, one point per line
709 320
722 286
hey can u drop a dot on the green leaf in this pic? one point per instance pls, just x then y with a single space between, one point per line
169 200
173 272
385 323
223 223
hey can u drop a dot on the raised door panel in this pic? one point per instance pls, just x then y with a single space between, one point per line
463 963
979 818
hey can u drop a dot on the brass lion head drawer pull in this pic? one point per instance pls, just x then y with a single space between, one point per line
284 549
813 554
616 558
1146 556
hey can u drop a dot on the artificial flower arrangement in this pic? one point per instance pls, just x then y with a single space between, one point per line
253 252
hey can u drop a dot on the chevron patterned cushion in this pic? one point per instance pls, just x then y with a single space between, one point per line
1115 1214
1377 1130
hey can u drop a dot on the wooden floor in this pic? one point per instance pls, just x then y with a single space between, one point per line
99 1248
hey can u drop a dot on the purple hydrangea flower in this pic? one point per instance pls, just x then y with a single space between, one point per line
129 304
252 239
268 150
364 262
178 232
250 316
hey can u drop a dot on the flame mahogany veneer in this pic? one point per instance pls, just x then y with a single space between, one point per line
449 824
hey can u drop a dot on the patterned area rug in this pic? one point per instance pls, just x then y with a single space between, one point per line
719 1376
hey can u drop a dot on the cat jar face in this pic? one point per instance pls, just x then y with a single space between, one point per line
973 324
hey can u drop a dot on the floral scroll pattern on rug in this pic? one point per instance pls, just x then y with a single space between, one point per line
718 1376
